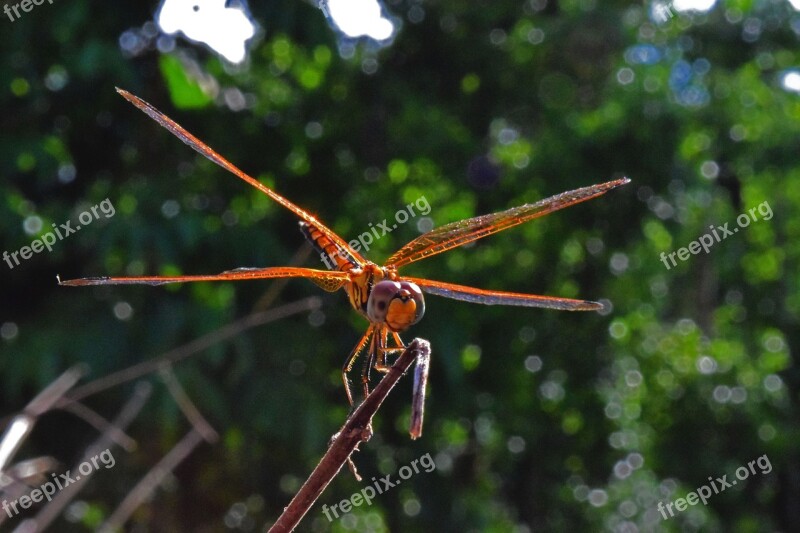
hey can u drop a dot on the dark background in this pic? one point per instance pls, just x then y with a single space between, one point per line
538 420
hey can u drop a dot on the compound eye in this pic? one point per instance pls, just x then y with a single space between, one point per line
406 308
415 293
378 304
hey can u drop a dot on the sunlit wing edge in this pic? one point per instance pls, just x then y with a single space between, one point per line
461 232
203 149
229 275
486 297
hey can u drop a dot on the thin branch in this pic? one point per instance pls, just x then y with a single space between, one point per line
275 287
23 477
23 423
98 422
197 345
190 411
149 483
29 472
53 509
357 429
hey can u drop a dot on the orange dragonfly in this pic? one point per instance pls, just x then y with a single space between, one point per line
391 302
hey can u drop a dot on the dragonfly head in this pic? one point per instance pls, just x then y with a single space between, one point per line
398 304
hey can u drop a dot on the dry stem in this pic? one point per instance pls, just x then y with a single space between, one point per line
358 428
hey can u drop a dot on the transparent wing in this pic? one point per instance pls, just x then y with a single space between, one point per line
203 149
482 296
459 233
329 280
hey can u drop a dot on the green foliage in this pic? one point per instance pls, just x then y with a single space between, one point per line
186 92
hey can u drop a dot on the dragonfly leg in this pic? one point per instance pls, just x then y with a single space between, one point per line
351 359
369 362
381 365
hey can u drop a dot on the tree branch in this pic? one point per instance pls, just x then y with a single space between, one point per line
356 429
201 343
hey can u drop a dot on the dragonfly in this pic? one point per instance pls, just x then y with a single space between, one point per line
389 301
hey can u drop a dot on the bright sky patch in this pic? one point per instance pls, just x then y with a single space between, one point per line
225 30
359 18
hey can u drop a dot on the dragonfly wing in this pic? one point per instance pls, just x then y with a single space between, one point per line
178 131
459 233
329 284
324 278
485 297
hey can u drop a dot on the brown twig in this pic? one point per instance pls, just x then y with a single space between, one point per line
53 509
187 407
201 430
149 483
23 423
98 422
278 284
231 330
358 428
23 477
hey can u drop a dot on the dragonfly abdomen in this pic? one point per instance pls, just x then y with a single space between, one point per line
334 257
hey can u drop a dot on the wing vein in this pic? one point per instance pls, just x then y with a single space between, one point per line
488 297
462 232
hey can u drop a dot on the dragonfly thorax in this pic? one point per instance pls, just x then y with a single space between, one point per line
398 304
